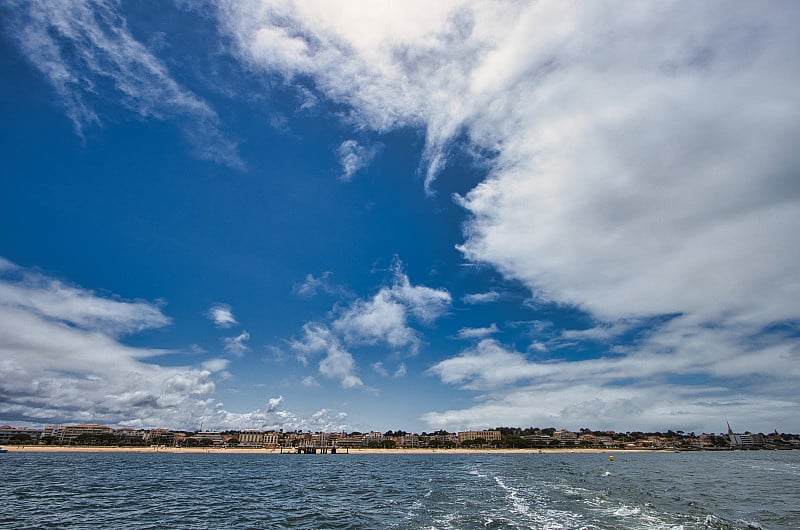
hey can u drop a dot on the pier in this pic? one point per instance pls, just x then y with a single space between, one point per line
316 449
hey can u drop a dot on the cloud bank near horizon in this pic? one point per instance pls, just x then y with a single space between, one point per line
62 361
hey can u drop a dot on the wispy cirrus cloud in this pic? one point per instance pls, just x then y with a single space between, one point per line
237 345
87 53
60 303
353 157
313 285
481 298
478 333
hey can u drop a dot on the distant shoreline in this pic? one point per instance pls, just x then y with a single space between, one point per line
341 451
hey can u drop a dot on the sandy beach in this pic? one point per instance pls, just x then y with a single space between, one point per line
72 449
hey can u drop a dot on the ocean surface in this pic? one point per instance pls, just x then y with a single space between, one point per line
730 490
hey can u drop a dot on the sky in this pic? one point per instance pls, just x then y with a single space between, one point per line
412 215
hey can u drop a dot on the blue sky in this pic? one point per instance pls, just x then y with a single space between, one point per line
356 216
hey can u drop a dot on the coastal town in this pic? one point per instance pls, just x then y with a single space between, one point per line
91 435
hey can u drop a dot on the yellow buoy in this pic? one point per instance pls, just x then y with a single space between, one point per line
611 458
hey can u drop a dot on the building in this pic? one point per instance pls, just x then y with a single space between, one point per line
9 434
374 437
538 440
745 440
488 436
130 436
353 440
67 434
406 440
258 439
159 437
566 438
214 437
439 439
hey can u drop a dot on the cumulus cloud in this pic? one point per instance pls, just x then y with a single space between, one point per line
643 157
237 345
274 403
379 319
273 416
221 315
383 319
336 363
86 51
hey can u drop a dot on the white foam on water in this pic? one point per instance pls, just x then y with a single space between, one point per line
626 511
518 504
538 515
634 517
447 521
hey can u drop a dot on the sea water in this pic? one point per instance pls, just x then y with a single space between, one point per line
708 490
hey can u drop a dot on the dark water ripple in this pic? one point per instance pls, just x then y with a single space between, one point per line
670 491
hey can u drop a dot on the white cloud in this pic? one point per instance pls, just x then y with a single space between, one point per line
354 157
400 371
237 345
314 284
86 51
481 298
274 417
216 365
738 376
337 363
64 364
381 319
274 403
222 315
477 333
380 369
309 382
385 317
55 301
